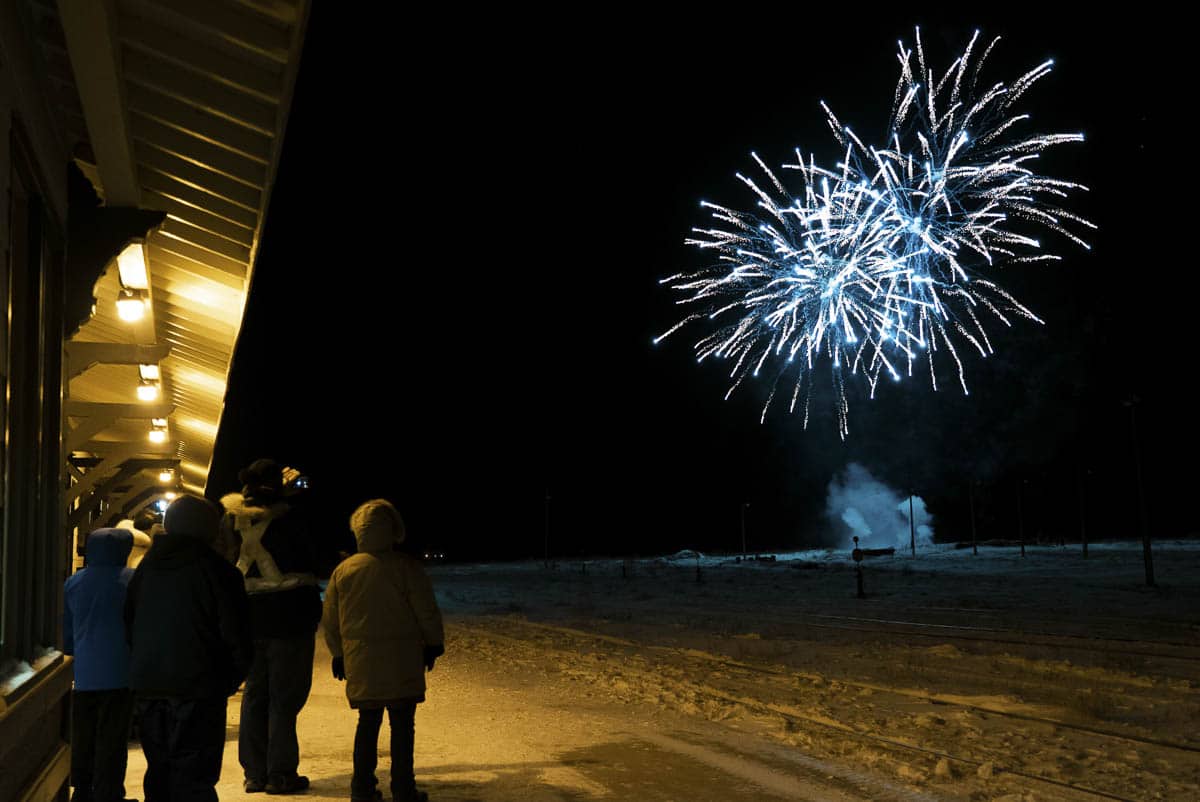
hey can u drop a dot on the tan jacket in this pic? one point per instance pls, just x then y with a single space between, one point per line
380 612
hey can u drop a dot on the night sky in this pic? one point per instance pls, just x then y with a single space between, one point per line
458 285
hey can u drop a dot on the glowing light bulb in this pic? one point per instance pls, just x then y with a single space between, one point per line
131 306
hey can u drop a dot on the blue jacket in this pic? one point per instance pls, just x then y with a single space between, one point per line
93 621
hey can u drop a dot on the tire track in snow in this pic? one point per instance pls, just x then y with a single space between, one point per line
935 698
831 724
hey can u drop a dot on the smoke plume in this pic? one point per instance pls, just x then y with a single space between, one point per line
859 504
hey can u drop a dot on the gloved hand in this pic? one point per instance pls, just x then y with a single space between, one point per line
432 653
339 668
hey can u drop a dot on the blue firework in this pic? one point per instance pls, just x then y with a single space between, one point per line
883 264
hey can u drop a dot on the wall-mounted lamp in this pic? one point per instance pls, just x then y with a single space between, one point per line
149 372
166 475
158 430
132 304
131 263
147 390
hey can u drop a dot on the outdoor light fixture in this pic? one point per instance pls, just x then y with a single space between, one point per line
147 390
131 305
166 475
149 372
131 263
158 430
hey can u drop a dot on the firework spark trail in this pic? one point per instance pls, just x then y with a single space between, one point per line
880 264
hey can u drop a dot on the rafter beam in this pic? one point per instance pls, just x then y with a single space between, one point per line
114 459
121 504
127 460
142 504
79 516
94 47
83 355
107 492
79 436
87 409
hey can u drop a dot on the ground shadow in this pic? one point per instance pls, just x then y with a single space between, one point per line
622 769
508 782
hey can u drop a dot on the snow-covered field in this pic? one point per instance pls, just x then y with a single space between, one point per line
988 677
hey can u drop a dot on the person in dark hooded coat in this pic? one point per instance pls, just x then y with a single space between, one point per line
186 617
94 633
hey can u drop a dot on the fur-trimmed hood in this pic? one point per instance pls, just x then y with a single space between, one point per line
377 526
244 528
239 507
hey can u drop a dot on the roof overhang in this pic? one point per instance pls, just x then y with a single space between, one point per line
178 107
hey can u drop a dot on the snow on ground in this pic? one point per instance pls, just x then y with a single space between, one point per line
989 678
958 676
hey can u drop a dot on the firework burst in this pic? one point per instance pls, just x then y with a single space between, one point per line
879 266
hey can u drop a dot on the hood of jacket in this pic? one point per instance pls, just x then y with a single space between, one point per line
109 546
377 526
172 551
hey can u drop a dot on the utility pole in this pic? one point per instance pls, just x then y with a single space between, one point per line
971 501
1020 515
745 504
912 525
1141 495
1083 510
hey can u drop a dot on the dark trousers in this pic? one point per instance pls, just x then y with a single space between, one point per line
275 692
366 745
100 743
183 740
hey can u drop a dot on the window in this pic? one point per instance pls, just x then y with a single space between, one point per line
31 287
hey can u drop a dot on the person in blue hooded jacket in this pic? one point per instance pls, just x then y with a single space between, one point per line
94 633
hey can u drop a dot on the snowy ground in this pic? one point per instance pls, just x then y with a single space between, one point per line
958 677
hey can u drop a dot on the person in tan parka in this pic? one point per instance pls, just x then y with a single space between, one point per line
384 630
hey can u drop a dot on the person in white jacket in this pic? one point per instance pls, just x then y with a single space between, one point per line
384 629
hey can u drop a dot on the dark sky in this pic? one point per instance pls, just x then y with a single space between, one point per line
458 284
